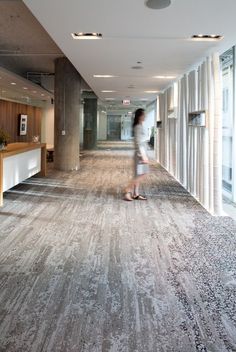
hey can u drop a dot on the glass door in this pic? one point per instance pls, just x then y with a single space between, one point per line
114 127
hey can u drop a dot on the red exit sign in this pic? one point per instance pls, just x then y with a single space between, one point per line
126 102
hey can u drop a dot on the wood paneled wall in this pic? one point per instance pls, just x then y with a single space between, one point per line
9 114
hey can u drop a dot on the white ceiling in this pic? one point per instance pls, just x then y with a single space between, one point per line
131 33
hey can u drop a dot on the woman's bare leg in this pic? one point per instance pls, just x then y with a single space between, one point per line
137 182
133 187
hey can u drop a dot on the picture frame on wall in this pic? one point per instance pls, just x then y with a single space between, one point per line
23 124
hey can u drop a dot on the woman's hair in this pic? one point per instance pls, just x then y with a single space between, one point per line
138 114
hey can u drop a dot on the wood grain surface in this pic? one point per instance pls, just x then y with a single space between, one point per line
9 113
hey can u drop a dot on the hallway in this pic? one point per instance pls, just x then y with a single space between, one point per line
108 275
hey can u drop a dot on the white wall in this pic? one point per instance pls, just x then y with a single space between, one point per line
102 126
47 127
81 126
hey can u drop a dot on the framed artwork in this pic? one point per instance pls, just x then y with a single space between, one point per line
23 125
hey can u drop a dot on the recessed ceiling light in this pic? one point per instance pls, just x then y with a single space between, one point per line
157 4
25 88
13 83
104 76
137 67
108 91
42 95
164 77
207 37
151 91
82 35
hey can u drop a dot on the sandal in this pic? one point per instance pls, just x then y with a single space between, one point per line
139 197
128 196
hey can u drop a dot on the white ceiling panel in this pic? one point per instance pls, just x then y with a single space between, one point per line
131 33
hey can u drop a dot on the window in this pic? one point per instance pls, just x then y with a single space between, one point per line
228 133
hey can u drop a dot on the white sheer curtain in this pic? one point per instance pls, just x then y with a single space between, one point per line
193 154
182 131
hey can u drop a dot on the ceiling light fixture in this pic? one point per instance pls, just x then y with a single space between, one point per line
207 37
13 83
25 88
103 76
151 91
157 4
108 91
164 77
82 35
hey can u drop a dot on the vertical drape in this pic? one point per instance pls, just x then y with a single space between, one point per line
194 154
182 132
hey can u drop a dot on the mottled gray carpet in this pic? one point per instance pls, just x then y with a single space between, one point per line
83 271
115 145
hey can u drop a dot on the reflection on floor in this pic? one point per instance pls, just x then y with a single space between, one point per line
82 270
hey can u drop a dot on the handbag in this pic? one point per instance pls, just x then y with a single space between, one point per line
142 168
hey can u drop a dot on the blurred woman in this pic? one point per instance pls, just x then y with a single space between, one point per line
141 167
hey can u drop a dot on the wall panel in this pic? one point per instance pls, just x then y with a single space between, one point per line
9 112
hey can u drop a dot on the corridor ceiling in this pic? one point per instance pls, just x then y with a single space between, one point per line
132 33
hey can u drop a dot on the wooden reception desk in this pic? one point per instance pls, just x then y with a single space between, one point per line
20 161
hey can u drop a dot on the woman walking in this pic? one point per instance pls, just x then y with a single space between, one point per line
141 167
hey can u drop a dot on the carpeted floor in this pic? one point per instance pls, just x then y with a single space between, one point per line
83 271
115 145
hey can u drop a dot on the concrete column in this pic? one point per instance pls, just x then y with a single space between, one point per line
90 123
67 115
